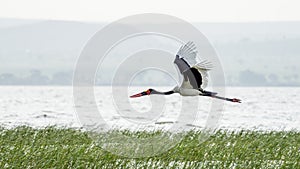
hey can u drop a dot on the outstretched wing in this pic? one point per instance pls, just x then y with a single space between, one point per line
203 68
194 72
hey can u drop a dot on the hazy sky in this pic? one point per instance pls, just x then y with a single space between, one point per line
196 10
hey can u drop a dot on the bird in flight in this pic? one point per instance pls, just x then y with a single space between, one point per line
195 76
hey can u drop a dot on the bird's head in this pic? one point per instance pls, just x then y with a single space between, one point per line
144 93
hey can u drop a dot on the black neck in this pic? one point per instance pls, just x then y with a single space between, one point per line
169 92
163 93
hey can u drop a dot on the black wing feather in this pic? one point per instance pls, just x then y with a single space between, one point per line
194 76
181 64
189 73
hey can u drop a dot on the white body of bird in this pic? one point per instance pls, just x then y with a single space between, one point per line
189 92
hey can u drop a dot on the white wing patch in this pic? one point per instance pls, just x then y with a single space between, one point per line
205 65
188 52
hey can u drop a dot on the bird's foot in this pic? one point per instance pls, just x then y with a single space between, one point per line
236 100
208 93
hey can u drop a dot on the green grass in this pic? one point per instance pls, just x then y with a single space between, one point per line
25 147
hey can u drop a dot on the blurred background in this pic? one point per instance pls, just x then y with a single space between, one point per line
257 42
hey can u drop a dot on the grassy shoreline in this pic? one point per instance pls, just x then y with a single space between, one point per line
69 148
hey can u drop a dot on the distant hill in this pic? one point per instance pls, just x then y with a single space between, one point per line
45 52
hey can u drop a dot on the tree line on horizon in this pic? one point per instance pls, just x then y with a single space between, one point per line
245 78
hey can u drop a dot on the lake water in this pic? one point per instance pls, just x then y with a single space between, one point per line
263 108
